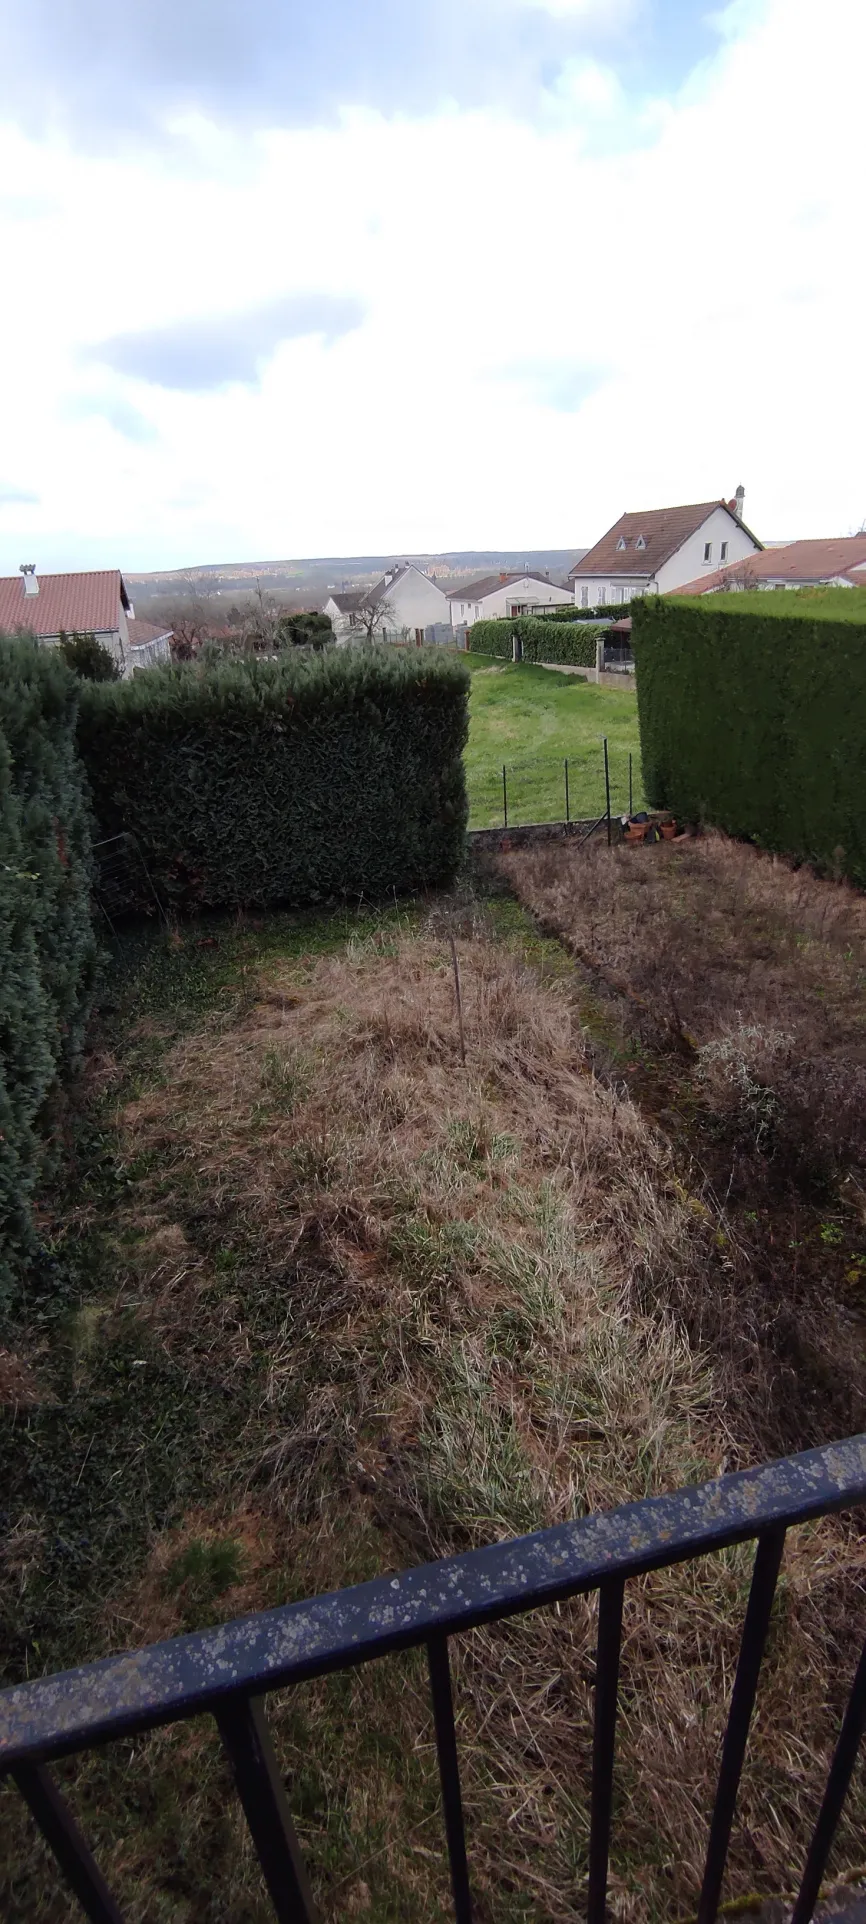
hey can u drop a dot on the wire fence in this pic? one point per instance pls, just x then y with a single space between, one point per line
574 788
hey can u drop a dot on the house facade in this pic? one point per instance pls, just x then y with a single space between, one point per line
502 595
657 550
149 644
48 606
835 563
405 601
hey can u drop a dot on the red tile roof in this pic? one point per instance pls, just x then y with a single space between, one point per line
79 604
798 562
663 531
141 631
488 585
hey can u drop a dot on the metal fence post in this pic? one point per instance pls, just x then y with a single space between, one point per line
504 798
567 810
630 795
607 790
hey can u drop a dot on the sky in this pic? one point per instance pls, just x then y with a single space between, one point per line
315 277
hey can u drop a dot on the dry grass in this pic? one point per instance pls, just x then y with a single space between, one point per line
733 987
465 1273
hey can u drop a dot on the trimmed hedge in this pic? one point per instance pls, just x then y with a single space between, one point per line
293 781
607 611
573 642
754 722
47 944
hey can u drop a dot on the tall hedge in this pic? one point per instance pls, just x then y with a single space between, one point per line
754 721
605 611
290 781
572 642
47 943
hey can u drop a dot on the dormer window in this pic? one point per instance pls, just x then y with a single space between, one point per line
640 543
621 544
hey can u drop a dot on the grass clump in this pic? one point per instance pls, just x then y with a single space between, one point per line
417 1305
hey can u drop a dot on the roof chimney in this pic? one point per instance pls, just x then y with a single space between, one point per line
28 570
740 497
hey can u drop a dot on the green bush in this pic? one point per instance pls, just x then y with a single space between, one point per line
573 642
754 721
608 611
309 629
88 657
47 944
315 776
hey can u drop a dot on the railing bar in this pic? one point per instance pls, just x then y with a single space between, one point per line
768 1557
123 1695
610 1601
58 1827
838 1781
449 1776
244 1730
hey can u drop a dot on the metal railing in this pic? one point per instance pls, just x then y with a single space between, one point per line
228 1673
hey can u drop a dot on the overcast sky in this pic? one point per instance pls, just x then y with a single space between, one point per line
299 277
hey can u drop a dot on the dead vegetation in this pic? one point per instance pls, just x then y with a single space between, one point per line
415 1305
731 989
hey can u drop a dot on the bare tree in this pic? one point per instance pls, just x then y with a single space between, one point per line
191 619
374 613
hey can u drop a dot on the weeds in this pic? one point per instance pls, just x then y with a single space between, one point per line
360 1313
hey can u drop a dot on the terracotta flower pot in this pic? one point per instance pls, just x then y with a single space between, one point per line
668 831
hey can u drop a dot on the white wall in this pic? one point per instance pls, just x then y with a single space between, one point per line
417 602
689 563
609 590
498 604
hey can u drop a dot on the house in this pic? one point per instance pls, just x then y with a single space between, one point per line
836 563
405 601
503 595
656 550
48 606
149 643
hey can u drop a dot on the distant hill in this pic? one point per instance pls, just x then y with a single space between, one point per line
307 582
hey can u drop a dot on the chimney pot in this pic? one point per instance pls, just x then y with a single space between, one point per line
740 499
28 570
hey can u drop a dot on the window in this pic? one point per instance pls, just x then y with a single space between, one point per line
724 551
621 544
602 597
584 597
708 551
640 543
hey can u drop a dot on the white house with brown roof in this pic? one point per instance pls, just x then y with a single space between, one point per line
839 562
660 548
406 601
48 606
501 595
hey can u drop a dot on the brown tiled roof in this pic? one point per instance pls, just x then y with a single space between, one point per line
477 590
142 631
663 529
348 601
80 604
800 561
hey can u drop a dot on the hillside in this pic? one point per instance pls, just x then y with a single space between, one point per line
308 581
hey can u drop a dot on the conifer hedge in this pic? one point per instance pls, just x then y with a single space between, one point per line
47 943
300 780
754 722
573 642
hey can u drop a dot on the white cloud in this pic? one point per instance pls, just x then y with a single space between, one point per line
714 276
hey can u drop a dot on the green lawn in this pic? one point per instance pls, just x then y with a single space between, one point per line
532 720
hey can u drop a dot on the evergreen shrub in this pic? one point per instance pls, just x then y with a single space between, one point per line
312 777
572 642
754 721
47 943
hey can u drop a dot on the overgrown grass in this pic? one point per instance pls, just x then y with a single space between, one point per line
734 990
335 1302
532 719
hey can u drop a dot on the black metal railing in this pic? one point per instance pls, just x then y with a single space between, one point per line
228 1672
